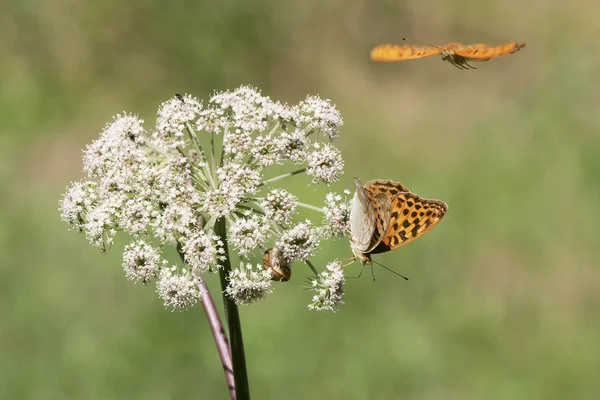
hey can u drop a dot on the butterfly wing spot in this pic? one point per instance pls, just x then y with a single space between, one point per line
397 217
408 223
386 186
382 203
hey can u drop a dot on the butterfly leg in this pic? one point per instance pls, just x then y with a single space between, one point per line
470 66
456 65
348 261
360 273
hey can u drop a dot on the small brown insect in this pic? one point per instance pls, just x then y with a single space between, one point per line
455 53
274 262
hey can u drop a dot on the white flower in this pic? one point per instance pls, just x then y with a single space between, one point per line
117 151
102 221
178 291
246 107
179 186
175 220
172 117
80 198
337 214
247 234
240 176
321 114
279 205
294 145
300 242
223 201
325 164
213 120
137 215
237 142
248 284
141 261
329 288
265 151
202 252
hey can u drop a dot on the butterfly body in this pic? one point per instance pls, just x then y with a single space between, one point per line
386 215
455 53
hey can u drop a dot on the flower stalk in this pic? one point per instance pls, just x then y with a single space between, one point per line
216 327
238 357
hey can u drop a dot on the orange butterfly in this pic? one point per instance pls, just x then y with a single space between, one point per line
455 53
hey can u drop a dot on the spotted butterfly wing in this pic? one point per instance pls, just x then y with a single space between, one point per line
394 52
411 218
485 52
369 220
386 186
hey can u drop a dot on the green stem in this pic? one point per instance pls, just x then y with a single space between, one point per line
233 321
314 270
304 205
298 171
207 171
222 160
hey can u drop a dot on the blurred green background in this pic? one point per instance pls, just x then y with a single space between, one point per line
504 296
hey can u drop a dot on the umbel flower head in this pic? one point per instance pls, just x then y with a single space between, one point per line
202 180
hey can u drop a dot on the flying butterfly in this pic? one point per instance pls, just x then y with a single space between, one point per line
385 215
455 53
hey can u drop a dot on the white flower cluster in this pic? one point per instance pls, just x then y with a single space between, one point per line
178 290
173 185
300 242
329 287
337 214
279 206
248 284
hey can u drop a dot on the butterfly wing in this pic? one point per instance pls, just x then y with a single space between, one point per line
484 52
362 219
411 217
385 186
395 52
380 193
382 205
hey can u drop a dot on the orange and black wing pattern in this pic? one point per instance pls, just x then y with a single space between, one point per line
395 52
411 217
485 52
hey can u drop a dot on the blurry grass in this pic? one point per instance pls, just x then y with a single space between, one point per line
503 293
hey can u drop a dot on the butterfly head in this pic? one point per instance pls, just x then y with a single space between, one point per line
364 258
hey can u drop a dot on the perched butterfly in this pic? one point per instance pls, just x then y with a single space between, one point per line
455 53
386 215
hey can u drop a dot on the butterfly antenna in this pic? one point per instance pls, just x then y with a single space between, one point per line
373 272
391 270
